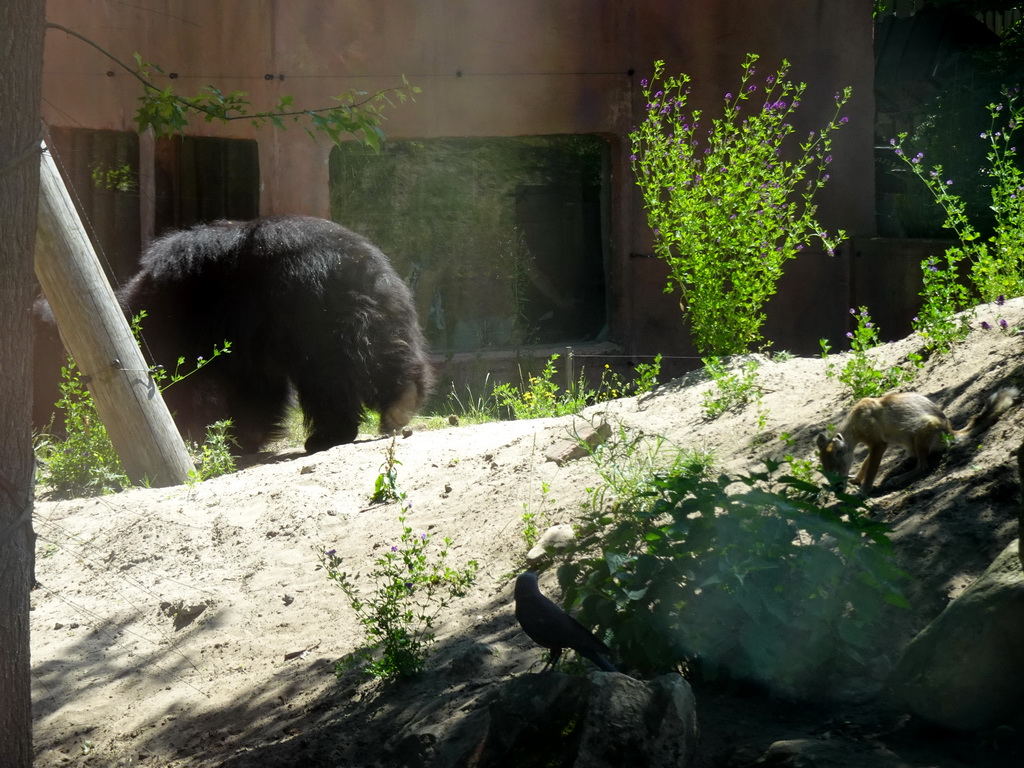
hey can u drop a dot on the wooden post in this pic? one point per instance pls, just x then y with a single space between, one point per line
98 337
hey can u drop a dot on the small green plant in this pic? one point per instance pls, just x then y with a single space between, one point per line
120 177
732 390
613 386
804 471
214 457
160 374
473 409
944 318
410 589
996 265
861 373
728 204
532 520
742 577
539 396
385 487
84 462
627 463
1001 322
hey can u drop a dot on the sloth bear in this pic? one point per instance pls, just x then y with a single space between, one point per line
307 305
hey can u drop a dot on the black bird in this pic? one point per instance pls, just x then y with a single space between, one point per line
551 627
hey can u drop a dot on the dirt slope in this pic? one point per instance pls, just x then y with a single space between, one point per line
246 677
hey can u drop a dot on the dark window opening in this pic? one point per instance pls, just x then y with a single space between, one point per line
201 179
101 172
503 240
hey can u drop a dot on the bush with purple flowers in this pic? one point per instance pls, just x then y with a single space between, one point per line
727 204
863 374
410 589
996 265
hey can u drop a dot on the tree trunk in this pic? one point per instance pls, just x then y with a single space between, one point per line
21 40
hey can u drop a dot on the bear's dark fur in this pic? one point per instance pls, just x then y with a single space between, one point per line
305 303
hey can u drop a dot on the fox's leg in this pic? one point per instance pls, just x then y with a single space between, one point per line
927 443
869 468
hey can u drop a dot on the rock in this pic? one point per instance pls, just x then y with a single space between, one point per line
554 539
606 719
183 614
965 669
471 661
830 753
587 438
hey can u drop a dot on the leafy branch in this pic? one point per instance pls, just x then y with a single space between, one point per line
356 113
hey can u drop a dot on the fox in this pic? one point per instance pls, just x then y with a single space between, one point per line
906 418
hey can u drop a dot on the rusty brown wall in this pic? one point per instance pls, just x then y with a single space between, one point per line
492 68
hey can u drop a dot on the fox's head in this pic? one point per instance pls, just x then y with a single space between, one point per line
835 453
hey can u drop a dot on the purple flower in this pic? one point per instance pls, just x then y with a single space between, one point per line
828 158
643 83
1000 300
394 548
844 120
849 334
423 537
986 326
728 96
1003 324
331 553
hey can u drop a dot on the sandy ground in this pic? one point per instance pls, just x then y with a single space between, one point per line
189 626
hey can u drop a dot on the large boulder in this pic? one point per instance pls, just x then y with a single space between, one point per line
965 670
606 719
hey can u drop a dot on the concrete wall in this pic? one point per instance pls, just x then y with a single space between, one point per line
495 68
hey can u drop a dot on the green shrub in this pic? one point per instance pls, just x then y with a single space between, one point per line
728 202
732 391
385 487
744 577
84 462
214 457
861 373
409 591
996 264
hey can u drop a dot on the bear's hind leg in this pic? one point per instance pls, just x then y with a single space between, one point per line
256 410
331 410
